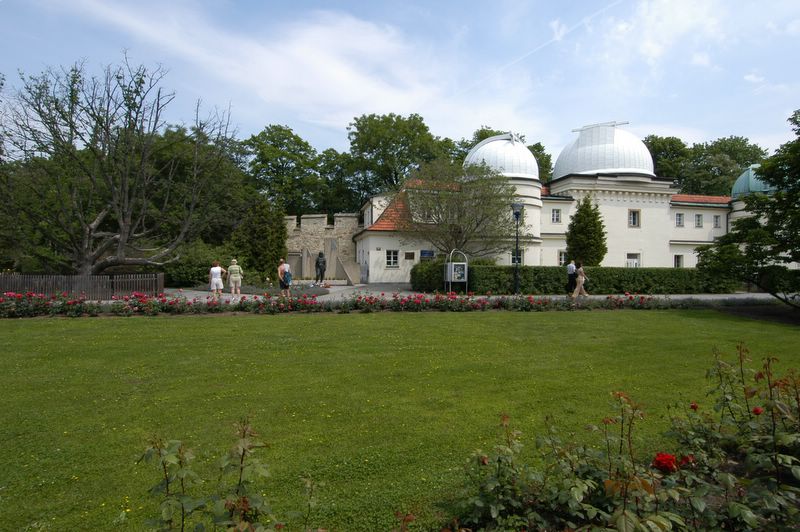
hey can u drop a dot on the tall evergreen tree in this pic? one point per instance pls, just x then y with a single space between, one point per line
586 234
260 240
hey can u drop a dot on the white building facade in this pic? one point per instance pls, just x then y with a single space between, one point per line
648 223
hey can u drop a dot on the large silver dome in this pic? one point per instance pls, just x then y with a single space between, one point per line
505 154
604 149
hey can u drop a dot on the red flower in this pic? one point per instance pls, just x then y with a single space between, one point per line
694 406
665 462
757 410
686 460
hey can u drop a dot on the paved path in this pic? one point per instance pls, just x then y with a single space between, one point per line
338 292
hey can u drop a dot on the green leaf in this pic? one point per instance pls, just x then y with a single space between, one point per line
698 504
796 472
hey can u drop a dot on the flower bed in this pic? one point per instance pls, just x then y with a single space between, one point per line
18 305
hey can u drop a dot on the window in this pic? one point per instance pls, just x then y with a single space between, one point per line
634 218
678 219
717 221
677 261
562 258
392 258
633 260
516 258
426 254
409 255
698 220
555 216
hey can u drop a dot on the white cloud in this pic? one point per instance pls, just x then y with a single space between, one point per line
753 78
559 29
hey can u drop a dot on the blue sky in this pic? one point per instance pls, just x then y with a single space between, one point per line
696 69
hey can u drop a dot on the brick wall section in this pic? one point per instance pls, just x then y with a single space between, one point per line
313 235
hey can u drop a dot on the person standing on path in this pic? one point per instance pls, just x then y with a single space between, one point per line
285 278
215 279
235 276
581 280
572 277
320 266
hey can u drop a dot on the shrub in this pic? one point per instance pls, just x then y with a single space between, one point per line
191 269
735 465
484 279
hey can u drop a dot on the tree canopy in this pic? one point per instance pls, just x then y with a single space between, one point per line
91 177
760 247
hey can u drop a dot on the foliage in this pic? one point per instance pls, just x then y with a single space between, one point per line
385 149
760 247
93 184
586 234
194 261
453 207
260 240
29 305
490 279
544 160
669 155
237 504
736 466
704 168
338 192
284 168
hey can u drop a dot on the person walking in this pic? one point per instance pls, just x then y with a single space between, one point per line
580 281
285 278
320 265
572 276
235 276
215 279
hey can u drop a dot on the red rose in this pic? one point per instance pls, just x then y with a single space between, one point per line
686 460
694 406
665 462
757 410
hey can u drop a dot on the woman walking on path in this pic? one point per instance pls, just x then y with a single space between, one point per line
581 280
215 279
235 276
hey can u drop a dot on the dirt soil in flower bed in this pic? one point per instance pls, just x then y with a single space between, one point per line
771 312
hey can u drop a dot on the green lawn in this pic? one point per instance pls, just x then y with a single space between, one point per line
384 409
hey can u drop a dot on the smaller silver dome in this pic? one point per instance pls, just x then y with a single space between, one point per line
505 154
604 149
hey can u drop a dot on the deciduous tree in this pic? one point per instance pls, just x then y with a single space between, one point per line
761 247
87 174
453 207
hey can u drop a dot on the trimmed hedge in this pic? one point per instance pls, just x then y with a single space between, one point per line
484 279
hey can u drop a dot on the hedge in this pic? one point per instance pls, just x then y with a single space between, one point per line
485 279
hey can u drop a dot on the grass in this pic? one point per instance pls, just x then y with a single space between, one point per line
384 409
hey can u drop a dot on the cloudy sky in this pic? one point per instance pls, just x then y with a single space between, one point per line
696 69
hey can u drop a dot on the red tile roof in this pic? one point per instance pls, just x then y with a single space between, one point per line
697 198
390 218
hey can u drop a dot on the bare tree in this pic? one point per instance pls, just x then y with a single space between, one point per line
458 208
93 173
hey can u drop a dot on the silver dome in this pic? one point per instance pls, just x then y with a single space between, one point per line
505 154
604 149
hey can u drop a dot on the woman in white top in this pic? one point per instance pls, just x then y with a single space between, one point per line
215 278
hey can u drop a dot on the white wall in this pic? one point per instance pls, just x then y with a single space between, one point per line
371 254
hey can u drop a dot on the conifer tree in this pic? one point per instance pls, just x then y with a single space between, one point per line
261 238
586 234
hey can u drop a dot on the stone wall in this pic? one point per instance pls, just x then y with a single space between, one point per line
313 234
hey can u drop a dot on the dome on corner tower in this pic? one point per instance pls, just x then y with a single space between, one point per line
749 183
604 149
505 154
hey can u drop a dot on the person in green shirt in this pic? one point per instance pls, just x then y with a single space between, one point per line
235 276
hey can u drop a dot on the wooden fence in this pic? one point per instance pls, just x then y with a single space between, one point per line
94 287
